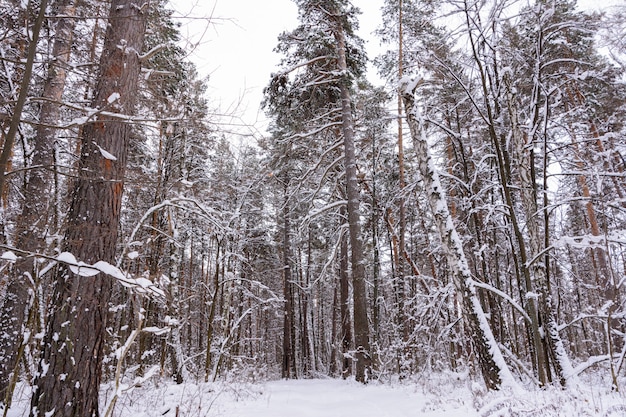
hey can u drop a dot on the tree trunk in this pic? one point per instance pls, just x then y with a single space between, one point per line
70 371
346 322
361 325
16 117
525 163
400 261
494 370
32 226
212 310
174 301
289 358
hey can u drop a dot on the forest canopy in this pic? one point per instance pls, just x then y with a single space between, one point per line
467 215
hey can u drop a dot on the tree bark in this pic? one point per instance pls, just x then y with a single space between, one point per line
361 324
346 322
494 370
33 224
289 358
70 370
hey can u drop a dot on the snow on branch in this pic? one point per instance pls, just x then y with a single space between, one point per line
321 181
91 113
153 51
312 169
589 363
300 65
326 208
504 296
139 285
583 242
105 154
9 256
601 317
198 208
314 131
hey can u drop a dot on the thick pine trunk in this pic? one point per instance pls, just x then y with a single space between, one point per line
70 371
361 324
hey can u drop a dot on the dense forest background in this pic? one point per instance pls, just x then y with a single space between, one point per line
468 215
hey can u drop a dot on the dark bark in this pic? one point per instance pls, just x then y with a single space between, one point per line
289 358
16 117
70 371
361 324
346 322
33 225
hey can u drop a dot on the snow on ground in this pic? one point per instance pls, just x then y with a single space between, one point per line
438 395
301 398
337 398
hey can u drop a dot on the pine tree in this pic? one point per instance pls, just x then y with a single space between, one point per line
73 344
312 95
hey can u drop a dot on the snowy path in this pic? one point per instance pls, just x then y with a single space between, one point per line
337 398
438 395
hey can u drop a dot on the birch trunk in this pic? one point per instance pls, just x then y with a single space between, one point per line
535 226
494 369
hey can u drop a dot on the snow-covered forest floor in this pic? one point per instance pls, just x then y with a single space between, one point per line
437 395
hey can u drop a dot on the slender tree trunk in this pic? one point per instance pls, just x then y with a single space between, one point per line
375 243
32 226
308 344
68 380
16 117
493 114
211 318
536 228
289 358
175 346
346 322
400 262
494 369
334 345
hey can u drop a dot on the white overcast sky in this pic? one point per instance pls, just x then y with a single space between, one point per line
236 48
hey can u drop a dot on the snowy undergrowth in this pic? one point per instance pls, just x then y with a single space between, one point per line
165 398
552 402
591 397
433 395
